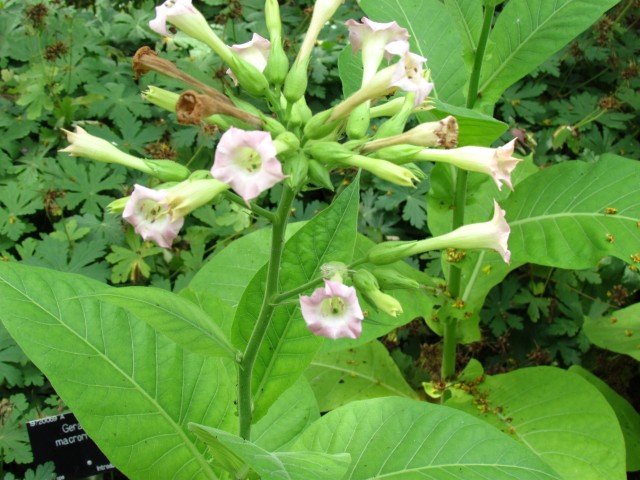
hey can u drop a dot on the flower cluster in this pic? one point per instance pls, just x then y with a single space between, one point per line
290 143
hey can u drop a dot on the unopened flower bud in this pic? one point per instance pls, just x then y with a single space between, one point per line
329 152
250 78
297 168
319 175
272 18
335 271
321 125
385 302
365 281
117 206
286 143
278 63
358 121
295 83
387 109
395 125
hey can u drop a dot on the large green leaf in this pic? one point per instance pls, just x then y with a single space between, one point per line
289 346
133 390
287 418
236 454
404 439
176 317
628 417
338 378
228 273
526 33
467 18
429 25
619 332
558 415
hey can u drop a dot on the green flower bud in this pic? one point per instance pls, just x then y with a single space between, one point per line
395 125
277 64
398 154
390 279
249 77
167 170
295 83
320 126
384 302
365 281
117 206
329 152
272 18
319 175
334 271
286 143
358 122
297 168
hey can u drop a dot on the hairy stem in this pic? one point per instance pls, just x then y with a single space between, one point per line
245 401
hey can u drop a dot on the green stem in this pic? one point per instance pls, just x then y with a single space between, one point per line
245 407
254 208
448 369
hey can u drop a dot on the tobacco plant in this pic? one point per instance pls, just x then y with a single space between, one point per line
228 378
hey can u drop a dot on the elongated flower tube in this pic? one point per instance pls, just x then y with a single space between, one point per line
83 144
255 51
247 161
443 133
406 75
184 16
498 163
187 18
493 235
333 311
372 38
158 215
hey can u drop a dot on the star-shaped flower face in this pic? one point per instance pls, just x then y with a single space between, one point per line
409 75
168 11
255 51
373 38
150 214
333 311
247 161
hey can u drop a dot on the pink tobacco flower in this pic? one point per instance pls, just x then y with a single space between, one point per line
255 51
150 214
498 163
333 311
247 161
373 38
170 11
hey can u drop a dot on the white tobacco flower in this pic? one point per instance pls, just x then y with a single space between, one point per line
150 214
373 38
255 51
158 215
333 311
498 163
409 74
247 161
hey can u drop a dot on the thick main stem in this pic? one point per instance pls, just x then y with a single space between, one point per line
448 369
245 402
